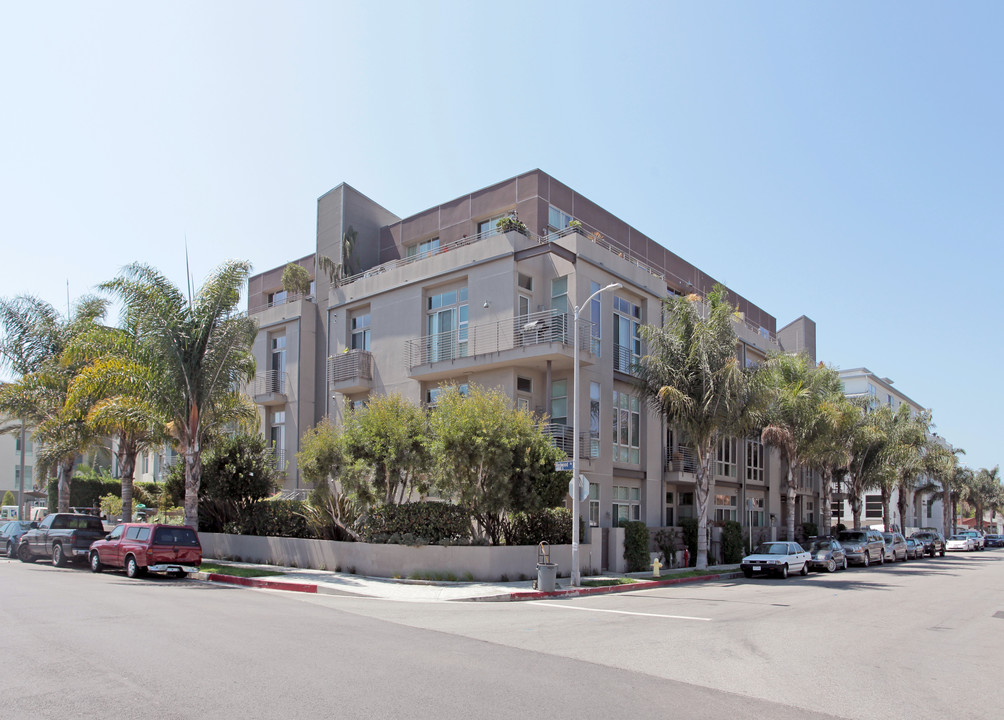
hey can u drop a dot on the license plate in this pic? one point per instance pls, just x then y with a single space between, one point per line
755 567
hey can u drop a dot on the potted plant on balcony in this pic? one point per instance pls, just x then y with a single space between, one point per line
511 223
296 279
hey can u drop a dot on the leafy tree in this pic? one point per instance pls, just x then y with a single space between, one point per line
795 417
692 377
867 467
39 396
324 462
237 473
390 438
202 347
905 454
491 457
296 279
8 499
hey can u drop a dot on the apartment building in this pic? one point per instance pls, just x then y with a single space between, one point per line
924 508
10 462
446 296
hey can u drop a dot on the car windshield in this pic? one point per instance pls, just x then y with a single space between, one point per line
922 536
819 545
852 537
958 537
771 549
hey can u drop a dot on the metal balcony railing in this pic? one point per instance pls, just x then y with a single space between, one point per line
624 360
350 366
548 326
562 436
280 459
271 381
279 298
681 459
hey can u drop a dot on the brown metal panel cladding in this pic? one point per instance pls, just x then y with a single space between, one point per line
610 226
529 214
454 232
419 227
390 242
454 212
493 200
527 184
561 196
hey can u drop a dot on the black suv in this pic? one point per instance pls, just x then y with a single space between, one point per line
934 541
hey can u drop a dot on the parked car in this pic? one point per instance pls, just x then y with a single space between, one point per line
994 540
914 549
776 558
827 554
934 541
147 547
979 542
960 543
62 537
10 535
895 547
863 546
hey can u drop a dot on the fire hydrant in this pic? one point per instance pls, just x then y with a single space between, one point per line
655 567
686 557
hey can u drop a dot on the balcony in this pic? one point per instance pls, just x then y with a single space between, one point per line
562 438
520 341
624 360
280 459
269 388
681 460
351 372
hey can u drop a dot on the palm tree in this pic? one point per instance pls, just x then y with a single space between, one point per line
829 452
692 377
910 443
866 467
39 395
940 463
984 491
795 417
962 489
202 349
111 390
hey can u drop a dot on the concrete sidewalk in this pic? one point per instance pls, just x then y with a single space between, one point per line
405 590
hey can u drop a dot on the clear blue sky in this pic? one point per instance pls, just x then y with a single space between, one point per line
841 161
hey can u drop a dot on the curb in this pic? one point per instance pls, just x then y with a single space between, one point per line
256 582
605 589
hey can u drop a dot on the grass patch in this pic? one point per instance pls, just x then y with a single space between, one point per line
236 571
606 582
690 573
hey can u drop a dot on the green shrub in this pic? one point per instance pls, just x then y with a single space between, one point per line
810 529
428 521
666 541
9 499
732 542
635 545
551 525
272 518
689 527
86 490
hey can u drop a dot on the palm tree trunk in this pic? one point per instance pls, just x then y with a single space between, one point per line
826 512
128 464
901 506
946 507
789 493
64 475
885 509
193 478
701 493
855 494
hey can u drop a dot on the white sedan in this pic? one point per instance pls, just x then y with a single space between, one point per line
776 558
960 542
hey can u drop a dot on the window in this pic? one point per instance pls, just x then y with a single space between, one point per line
627 503
146 463
627 334
27 475
524 384
594 419
525 301
360 328
686 505
626 428
725 508
446 325
423 249
594 505
557 219
810 515
669 508
725 461
277 298
559 402
27 444
432 395
489 226
757 513
873 506
358 404
594 318
754 460
837 509
559 300
277 363
525 281
277 437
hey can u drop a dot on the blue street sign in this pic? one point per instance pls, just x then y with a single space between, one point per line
563 466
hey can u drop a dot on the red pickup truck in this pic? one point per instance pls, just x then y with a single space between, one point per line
148 547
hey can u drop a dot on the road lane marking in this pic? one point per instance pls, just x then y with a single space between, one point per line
616 612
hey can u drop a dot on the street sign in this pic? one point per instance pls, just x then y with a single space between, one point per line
563 466
583 488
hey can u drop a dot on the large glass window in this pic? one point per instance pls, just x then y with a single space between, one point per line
422 249
725 460
725 507
594 419
873 506
757 514
594 505
686 507
432 394
559 402
447 325
627 503
278 363
626 428
557 219
489 226
360 324
754 461
627 334
559 304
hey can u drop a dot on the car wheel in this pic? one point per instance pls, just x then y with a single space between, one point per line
831 565
805 569
905 557
10 549
58 556
133 569
942 552
24 554
882 558
845 562
784 572
747 574
95 563
867 561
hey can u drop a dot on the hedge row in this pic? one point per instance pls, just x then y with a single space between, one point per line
272 518
87 492
433 522
553 526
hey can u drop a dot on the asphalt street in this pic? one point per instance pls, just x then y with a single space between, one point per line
915 640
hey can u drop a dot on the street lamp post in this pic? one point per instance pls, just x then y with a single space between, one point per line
575 431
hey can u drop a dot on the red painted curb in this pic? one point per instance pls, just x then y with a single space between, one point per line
263 584
575 592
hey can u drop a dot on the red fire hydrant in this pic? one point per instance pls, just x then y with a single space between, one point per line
686 557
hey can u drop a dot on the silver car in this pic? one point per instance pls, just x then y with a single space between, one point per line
863 546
